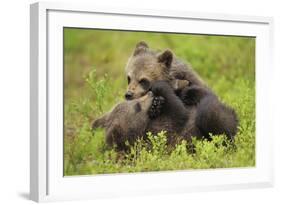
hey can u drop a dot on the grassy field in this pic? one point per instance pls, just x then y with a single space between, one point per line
94 81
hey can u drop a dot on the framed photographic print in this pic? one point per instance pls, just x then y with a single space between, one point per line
128 102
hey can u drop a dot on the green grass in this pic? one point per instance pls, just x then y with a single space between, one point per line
94 81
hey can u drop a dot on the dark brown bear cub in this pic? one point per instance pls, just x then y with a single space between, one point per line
127 121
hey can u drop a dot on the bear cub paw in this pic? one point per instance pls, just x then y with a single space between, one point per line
156 107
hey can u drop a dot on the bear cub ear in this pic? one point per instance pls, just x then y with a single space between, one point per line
141 47
166 58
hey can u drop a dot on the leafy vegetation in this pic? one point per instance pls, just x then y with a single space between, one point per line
94 81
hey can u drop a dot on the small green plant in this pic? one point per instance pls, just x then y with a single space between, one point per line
100 88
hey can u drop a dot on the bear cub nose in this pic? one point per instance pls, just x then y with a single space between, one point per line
129 95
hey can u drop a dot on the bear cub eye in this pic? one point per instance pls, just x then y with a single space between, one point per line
145 84
137 107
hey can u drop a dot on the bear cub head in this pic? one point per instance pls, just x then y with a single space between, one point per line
146 66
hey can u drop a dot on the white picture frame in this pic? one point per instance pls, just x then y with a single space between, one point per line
47 182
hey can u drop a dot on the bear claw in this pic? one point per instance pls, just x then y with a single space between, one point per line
156 107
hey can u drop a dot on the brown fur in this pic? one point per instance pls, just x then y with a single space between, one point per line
130 120
154 66
126 122
165 66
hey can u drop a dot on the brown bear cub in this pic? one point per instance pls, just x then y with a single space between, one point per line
129 120
146 66
161 109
